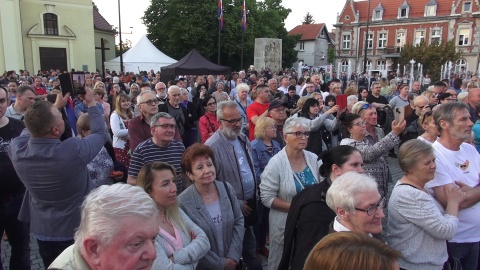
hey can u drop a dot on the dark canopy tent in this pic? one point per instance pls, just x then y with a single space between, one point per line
192 64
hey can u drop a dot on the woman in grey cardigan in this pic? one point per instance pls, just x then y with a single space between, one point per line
180 243
287 173
213 206
417 225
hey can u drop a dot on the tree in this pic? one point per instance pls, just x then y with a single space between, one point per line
177 26
308 19
432 57
331 55
126 45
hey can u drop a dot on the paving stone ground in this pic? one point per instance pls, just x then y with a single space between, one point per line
37 264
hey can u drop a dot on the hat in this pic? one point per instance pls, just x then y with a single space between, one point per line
275 104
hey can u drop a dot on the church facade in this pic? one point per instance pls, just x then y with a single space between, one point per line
43 35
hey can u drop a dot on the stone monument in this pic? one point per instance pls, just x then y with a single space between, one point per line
268 54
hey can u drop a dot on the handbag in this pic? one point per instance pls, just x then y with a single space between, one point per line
241 263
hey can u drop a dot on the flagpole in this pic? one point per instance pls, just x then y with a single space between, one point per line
241 59
218 57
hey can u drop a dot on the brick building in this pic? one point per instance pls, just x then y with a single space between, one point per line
394 23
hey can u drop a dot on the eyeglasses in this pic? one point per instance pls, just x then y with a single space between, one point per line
233 121
211 103
300 134
373 209
361 123
150 102
165 126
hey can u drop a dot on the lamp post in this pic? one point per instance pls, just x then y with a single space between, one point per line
412 75
366 40
120 37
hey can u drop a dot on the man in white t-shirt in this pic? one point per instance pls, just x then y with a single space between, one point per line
458 163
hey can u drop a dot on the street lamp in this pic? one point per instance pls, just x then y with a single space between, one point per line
366 40
120 37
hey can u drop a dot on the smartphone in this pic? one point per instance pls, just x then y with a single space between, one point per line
341 101
399 114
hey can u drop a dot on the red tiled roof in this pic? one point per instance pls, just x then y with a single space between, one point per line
308 31
417 8
100 23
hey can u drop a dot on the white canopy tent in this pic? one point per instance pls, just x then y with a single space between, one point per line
144 56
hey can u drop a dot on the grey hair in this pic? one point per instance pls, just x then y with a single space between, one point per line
183 90
105 207
243 86
357 106
141 94
412 152
225 104
352 99
159 115
293 122
172 87
342 193
447 112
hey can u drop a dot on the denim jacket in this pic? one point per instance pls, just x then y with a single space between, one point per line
261 156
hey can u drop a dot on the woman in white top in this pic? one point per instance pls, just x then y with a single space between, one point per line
119 125
180 243
418 226
427 122
286 174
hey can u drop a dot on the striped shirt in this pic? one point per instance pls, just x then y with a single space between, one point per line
147 151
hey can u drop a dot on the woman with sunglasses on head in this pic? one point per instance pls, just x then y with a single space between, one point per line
287 173
310 217
180 243
373 155
208 123
418 226
431 132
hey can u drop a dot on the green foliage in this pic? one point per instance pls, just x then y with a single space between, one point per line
126 45
177 26
432 57
331 55
308 19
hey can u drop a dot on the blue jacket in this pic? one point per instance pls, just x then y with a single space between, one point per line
261 156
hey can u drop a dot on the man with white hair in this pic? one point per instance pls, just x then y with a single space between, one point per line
161 90
118 227
139 127
179 113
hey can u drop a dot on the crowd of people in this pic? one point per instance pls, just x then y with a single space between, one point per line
215 172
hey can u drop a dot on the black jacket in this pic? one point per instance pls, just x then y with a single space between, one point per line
308 221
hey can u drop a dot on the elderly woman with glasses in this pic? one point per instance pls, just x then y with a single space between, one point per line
287 173
208 123
418 226
372 155
357 204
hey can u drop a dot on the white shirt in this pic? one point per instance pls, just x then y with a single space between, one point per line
464 166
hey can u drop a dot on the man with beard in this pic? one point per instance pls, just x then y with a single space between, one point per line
161 90
179 113
234 164
458 164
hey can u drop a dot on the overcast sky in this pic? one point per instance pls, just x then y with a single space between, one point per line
132 11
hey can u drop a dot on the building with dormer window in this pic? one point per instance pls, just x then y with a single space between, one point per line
313 44
395 23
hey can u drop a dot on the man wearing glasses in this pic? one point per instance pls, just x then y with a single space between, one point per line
161 90
160 147
139 127
234 164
